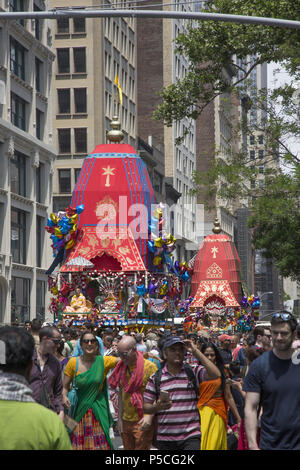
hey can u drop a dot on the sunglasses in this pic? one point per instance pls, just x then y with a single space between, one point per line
282 316
55 340
87 341
125 354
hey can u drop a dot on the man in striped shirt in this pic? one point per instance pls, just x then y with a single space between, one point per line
178 421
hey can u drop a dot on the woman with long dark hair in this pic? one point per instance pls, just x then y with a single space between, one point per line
213 402
92 412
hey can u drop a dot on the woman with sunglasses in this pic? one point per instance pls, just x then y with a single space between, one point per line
92 411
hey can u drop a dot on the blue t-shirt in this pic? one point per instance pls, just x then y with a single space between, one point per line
278 383
241 357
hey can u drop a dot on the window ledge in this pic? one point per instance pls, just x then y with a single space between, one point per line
78 35
62 194
3 191
22 267
80 155
63 76
21 82
64 116
62 36
80 115
79 75
64 155
42 97
25 200
41 206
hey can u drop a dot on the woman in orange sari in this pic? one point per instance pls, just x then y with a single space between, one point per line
214 399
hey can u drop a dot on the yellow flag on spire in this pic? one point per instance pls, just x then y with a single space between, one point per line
119 88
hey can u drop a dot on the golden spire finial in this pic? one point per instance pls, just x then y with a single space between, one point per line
115 134
217 228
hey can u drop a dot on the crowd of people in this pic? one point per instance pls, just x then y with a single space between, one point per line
77 388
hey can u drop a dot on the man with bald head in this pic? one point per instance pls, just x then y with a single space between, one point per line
131 376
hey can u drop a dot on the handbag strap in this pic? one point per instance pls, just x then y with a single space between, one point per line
76 369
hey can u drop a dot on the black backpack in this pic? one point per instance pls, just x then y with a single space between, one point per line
157 379
190 374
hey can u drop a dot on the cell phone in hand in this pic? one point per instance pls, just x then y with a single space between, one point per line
164 395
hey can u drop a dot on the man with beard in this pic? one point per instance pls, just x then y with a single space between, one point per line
273 383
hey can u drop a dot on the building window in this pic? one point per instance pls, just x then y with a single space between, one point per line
64 101
38 74
39 124
20 299
252 140
80 140
261 139
252 154
64 140
40 300
17 5
261 154
80 100
157 182
79 60
60 203
39 240
261 184
18 111
38 24
79 25
63 25
63 60
18 236
18 174
77 173
64 178
261 169
17 59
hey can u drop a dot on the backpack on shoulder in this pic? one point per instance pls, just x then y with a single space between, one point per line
157 380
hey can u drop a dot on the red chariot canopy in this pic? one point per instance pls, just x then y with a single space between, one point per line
216 272
116 251
116 191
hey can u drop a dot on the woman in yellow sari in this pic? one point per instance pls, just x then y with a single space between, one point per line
92 411
214 399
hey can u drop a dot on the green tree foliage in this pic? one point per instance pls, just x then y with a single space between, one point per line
212 48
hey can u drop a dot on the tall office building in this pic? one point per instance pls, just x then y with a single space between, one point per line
158 65
90 52
26 162
215 140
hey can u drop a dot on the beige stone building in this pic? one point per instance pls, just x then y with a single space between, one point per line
159 66
26 163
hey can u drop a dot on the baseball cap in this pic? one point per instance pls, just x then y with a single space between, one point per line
224 338
108 330
171 340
